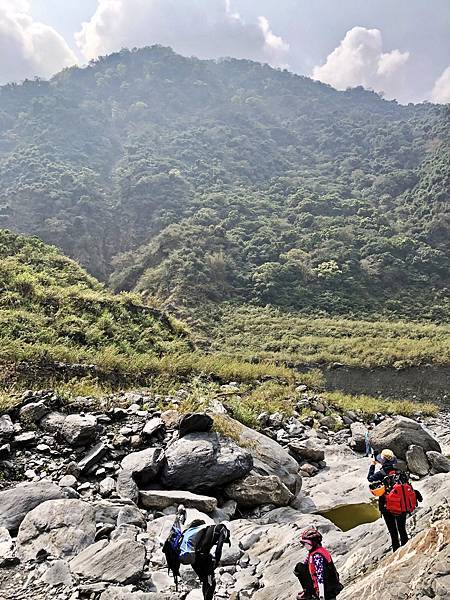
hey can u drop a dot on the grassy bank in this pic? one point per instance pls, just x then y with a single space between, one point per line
271 334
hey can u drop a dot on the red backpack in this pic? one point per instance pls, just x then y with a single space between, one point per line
400 497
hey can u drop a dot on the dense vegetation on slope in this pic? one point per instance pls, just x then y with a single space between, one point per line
51 308
200 180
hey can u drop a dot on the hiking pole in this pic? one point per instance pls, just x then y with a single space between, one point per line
369 450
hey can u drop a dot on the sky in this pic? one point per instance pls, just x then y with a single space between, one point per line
400 48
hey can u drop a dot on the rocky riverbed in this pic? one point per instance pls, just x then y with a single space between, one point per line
89 489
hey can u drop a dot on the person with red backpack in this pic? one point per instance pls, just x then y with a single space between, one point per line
317 574
396 496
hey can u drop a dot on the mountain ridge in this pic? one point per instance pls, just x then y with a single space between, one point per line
194 180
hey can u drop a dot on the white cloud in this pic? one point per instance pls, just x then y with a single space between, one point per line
441 89
29 48
204 28
359 60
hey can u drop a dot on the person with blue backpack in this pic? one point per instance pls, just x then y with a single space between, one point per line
199 545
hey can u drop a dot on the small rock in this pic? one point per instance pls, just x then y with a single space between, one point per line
255 490
107 486
25 439
195 422
5 451
330 422
417 461
152 426
58 574
52 422
84 487
93 457
306 450
170 418
126 486
144 465
309 470
68 481
33 412
78 430
6 428
43 448
131 515
359 437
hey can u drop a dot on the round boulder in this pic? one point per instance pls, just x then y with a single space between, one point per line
16 502
203 461
399 433
63 528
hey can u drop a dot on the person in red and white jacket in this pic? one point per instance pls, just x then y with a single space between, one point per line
317 574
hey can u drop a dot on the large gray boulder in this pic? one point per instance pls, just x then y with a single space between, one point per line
121 561
438 462
144 465
61 527
269 458
398 433
306 450
417 461
203 461
79 430
161 499
17 502
256 490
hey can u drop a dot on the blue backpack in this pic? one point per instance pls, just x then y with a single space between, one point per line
180 547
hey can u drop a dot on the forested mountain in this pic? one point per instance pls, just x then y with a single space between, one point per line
196 181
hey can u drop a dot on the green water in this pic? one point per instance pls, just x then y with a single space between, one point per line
351 515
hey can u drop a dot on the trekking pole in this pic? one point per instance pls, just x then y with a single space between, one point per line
369 450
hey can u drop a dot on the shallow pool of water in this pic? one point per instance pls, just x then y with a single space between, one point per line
351 515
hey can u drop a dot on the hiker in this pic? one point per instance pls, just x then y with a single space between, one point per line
317 574
198 545
214 536
396 497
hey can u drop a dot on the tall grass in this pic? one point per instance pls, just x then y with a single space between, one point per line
268 333
369 406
